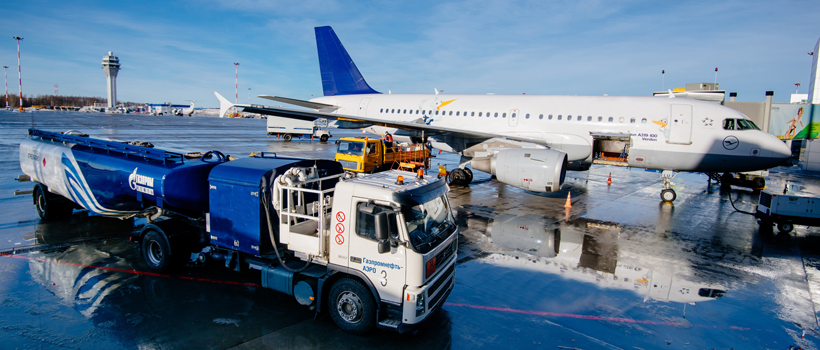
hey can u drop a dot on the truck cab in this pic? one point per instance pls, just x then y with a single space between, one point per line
367 155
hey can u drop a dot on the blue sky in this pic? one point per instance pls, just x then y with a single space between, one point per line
173 51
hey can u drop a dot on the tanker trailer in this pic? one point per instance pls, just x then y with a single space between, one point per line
112 178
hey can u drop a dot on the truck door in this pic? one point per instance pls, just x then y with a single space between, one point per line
372 155
386 271
680 124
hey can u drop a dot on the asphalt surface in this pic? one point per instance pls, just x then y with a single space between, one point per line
617 270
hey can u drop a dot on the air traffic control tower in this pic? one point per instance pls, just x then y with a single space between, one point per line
111 66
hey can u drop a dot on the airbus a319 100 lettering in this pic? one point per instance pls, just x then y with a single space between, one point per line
530 141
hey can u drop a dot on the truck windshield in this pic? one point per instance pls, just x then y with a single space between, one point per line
426 222
355 148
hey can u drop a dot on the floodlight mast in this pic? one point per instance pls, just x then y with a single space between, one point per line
19 71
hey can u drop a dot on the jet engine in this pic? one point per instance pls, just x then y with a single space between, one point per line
537 170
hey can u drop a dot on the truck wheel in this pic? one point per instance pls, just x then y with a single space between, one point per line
759 182
288 137
156 251
351 306
50 207
785 227
323 138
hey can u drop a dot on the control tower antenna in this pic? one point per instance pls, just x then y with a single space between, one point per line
236 99
19 74
111 66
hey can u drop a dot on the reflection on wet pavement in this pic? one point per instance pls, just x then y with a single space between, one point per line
619 269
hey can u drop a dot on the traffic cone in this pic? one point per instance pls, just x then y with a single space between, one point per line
609 180
569 202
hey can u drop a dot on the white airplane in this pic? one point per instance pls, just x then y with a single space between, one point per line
529 141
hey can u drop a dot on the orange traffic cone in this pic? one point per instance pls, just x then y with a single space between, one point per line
609 180
569 202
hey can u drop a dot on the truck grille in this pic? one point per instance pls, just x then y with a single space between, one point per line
765 200
439 288
349 165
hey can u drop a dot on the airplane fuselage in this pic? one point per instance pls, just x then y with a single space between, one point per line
664 133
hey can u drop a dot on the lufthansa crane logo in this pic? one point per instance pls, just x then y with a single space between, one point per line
730 142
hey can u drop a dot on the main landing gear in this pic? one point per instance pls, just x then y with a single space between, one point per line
461 176
668 194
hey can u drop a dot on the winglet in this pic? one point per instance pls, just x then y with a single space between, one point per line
224 105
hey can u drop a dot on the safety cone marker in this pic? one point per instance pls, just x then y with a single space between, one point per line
609 180
569 202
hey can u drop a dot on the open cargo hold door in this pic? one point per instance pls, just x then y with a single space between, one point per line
611 149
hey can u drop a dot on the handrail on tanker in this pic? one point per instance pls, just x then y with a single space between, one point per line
109 146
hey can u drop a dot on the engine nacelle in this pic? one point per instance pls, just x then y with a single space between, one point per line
537 170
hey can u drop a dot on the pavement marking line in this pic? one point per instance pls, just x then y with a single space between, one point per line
597 318
135 272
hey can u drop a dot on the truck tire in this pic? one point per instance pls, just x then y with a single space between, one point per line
156 251
323 138
50 207
759 182
351 306
785 227
288 137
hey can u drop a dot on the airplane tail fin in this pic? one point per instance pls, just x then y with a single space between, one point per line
224 105
339 74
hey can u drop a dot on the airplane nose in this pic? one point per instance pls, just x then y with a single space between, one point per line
777 149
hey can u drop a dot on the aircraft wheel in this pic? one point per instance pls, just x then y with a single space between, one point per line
759 182
469 175
323 138
668 195
785 227
458 177
288 137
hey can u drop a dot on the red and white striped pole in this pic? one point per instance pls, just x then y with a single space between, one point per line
6 77
19 74
236 99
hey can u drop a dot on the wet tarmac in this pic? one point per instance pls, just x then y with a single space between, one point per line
617 270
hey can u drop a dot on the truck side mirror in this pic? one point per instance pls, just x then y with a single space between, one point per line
382 227
384 247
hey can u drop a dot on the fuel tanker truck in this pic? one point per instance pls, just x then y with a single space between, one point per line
371 250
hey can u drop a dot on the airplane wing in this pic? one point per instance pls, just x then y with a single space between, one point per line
418 125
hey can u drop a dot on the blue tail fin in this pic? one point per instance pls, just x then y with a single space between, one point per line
339 74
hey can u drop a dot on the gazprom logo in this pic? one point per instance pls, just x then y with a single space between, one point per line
141 183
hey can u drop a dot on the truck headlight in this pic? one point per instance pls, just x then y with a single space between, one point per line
420 303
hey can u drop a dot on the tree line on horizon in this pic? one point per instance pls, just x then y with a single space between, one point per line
58 100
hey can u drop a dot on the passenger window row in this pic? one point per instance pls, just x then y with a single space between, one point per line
504 115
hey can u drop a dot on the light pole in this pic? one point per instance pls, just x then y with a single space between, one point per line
797 87
249 95
19 74
6 77
236 99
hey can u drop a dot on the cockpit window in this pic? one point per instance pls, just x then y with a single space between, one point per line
743 124
729 124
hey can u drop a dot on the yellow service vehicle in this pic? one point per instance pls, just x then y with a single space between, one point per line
367 155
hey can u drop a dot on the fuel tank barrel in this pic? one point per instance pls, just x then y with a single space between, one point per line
116 180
